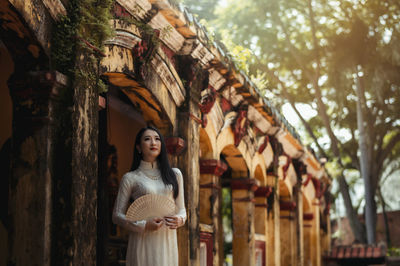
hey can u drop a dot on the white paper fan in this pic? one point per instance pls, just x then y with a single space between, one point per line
150 206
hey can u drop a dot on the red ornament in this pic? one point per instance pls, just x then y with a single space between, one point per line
208 100
244 183
286 166
308 216
239 128
225 105
212 167
264 144
263 192
175 145
287 205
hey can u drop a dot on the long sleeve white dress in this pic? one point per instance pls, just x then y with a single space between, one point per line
148 248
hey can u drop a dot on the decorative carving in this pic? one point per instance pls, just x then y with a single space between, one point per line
226 105
175 145
208 100
143 51
239 128
213 167
286 166
264 144
206 103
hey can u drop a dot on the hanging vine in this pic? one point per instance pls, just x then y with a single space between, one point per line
84 28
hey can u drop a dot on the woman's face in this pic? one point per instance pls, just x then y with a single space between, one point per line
150 145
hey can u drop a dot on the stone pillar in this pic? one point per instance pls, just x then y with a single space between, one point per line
34 97
307 225
287 229
188 162
299 230
210 201
277 230
315 235
270 240
188 235
261 215
273 224
243 243
84 171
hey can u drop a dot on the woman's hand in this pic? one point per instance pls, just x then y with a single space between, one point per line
154 224
173 222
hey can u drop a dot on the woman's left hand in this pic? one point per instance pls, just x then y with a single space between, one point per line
173 222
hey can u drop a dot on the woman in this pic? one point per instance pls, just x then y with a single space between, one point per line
151 242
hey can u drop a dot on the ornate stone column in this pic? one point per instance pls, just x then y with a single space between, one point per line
34 96
307 225
261 217
188 162
315 242
243 243
210 201
273 224
287 230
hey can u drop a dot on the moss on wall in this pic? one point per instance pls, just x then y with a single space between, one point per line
86 26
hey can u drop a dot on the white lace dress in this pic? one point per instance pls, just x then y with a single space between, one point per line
148 248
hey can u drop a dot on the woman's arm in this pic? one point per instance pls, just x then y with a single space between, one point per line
121 205
180 200
180 217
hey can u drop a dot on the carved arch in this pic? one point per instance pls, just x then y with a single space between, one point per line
150 94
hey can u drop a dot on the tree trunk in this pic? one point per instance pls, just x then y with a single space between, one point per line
385 218
356 226
370 206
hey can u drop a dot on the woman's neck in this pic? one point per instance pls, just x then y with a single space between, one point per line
148 165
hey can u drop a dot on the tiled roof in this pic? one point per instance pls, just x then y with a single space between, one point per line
362 253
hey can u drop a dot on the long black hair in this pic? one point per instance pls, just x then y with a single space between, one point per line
167 174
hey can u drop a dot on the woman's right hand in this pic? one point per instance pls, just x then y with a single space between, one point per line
154 224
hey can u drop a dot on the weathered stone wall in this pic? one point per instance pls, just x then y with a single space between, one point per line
30 201
84 168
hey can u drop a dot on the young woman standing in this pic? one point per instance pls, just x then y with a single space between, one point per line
152 241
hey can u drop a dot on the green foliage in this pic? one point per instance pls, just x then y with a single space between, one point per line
227 219
393 252
86 21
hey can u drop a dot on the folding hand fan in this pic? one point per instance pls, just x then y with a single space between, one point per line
150 206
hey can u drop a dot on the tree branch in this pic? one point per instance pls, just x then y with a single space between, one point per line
314 80
388 148
292 104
